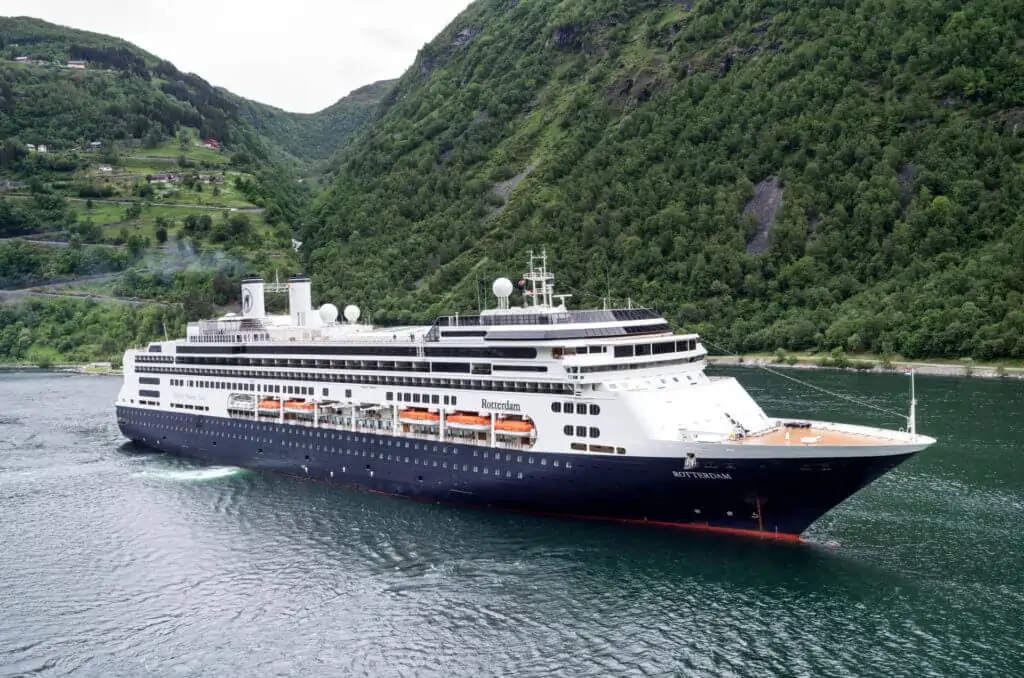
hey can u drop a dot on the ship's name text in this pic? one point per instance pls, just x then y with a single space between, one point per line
494 405
701 475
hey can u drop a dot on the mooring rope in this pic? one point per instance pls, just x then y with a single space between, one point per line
815 387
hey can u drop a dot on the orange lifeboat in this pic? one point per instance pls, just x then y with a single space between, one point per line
514 427
299 406
418 417
470 422
270 405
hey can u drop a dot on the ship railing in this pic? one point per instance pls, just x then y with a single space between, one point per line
386 428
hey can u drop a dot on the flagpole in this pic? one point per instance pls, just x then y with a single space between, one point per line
912 419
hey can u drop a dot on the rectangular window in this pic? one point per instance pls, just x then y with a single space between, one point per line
390 394
581 431
643 349
325 393
348 393
434 400
624 351
581 408
415 397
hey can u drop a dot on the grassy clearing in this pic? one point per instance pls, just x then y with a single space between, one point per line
173 149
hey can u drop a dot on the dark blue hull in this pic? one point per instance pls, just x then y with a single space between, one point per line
770 498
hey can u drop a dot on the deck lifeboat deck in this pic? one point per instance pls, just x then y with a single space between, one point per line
812 437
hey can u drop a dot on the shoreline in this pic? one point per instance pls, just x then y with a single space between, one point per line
872 365
867 365
62 369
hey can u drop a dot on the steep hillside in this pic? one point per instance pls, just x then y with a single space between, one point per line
317 137
809 175
122 96
114 151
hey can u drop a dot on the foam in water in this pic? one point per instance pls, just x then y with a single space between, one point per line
194 475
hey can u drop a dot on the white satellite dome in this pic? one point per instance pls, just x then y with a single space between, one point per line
502 288
328 313
352 313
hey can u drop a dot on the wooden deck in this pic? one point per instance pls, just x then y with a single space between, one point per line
812 437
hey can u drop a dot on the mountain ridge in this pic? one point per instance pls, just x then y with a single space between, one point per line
813 177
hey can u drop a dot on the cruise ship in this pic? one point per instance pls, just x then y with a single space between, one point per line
527 406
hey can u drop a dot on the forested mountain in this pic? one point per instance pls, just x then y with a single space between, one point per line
319 136
805 175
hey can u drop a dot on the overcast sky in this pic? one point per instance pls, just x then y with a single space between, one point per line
299 55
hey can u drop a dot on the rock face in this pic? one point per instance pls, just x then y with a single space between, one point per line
763 206
465 36
567 38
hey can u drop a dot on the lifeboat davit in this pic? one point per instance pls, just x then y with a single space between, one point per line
270 405
418 417
468 422
514 427
299 406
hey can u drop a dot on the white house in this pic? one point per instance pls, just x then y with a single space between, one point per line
41 148
80 65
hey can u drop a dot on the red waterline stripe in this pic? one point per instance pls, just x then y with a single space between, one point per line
697 527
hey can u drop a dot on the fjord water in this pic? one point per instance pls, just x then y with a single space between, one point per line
117 562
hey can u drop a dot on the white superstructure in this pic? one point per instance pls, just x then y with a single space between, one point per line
532 375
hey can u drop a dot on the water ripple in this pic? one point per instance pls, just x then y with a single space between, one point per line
119 562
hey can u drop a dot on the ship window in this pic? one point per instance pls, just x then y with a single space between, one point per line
543 462
556 463
348 393
568 464
390 395
620 450
519 476
465 467
567 429
581 408
486 471
415 397
519 459
325 391
556 408
595 432
455 400
486 455
595 409
434 400
581 431
531 460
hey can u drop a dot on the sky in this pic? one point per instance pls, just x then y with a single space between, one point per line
299 55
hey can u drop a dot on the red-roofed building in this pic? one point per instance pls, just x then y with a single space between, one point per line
211 144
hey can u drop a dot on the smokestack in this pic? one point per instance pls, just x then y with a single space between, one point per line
252 297
300 300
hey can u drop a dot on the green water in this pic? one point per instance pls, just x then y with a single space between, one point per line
116 563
